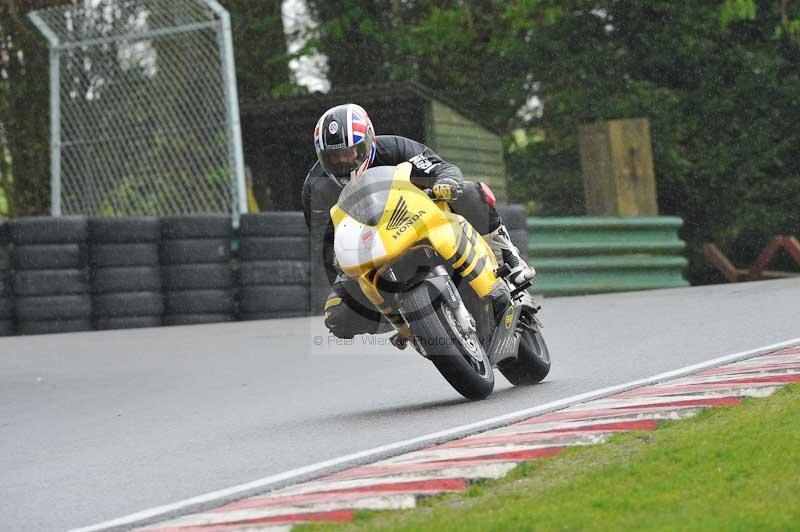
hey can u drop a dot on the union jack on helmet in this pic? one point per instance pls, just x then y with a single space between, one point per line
345 142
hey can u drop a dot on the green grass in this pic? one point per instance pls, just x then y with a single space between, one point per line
732 468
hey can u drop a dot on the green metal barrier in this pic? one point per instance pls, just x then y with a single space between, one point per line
596 254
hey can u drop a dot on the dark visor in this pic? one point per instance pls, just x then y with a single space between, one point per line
341 162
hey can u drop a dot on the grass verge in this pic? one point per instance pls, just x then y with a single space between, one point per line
731 468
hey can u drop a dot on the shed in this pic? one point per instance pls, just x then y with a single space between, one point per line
278 137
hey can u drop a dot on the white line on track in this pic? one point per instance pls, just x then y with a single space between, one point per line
224 496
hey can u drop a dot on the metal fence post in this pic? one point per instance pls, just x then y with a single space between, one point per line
55 132
224 34
55 112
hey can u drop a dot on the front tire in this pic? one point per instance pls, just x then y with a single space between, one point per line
533 359
459 357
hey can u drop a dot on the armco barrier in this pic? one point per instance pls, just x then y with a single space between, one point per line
589 255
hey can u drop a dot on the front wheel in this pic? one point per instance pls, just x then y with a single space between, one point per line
457 354
533 359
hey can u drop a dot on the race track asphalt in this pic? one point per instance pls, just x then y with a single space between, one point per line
94 426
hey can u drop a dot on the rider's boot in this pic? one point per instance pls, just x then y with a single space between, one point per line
507 253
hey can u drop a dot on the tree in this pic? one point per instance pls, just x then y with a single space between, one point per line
446 46
262 61
24 93
718 86
262 71
356 38
716 79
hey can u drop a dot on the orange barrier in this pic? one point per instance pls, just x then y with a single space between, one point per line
716 258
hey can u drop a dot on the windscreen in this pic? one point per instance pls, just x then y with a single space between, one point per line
365 199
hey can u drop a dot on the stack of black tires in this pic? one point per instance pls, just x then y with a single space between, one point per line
6 295
515 218
197 270
274 267
148 271
126 273
51 277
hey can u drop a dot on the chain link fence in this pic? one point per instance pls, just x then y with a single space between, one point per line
144 110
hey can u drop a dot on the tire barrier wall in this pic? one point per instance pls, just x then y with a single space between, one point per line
590 255
75 273
51 274
275 274
197 269
125 272
6 294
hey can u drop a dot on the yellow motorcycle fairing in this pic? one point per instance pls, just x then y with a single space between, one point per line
409 219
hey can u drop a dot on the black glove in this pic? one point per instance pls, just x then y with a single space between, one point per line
447 188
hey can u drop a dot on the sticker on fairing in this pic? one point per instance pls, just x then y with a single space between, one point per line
455 300
509 317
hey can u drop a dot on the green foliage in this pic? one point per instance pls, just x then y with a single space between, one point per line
6 184
735 10
23 98
717 80
262 59
447 46
721 101
546 171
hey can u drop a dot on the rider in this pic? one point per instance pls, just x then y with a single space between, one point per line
346 147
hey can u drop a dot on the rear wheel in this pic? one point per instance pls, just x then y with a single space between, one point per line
533 358
456 353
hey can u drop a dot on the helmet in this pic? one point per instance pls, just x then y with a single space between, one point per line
345 142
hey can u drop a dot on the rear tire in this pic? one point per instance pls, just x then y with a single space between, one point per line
533 360
461 361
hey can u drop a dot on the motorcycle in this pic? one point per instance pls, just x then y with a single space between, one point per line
437 282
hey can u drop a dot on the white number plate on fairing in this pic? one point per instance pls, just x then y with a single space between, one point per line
356 244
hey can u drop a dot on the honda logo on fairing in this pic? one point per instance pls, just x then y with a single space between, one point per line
400 219
407 223
399 215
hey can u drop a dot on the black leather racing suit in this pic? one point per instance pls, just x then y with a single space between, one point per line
345 315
